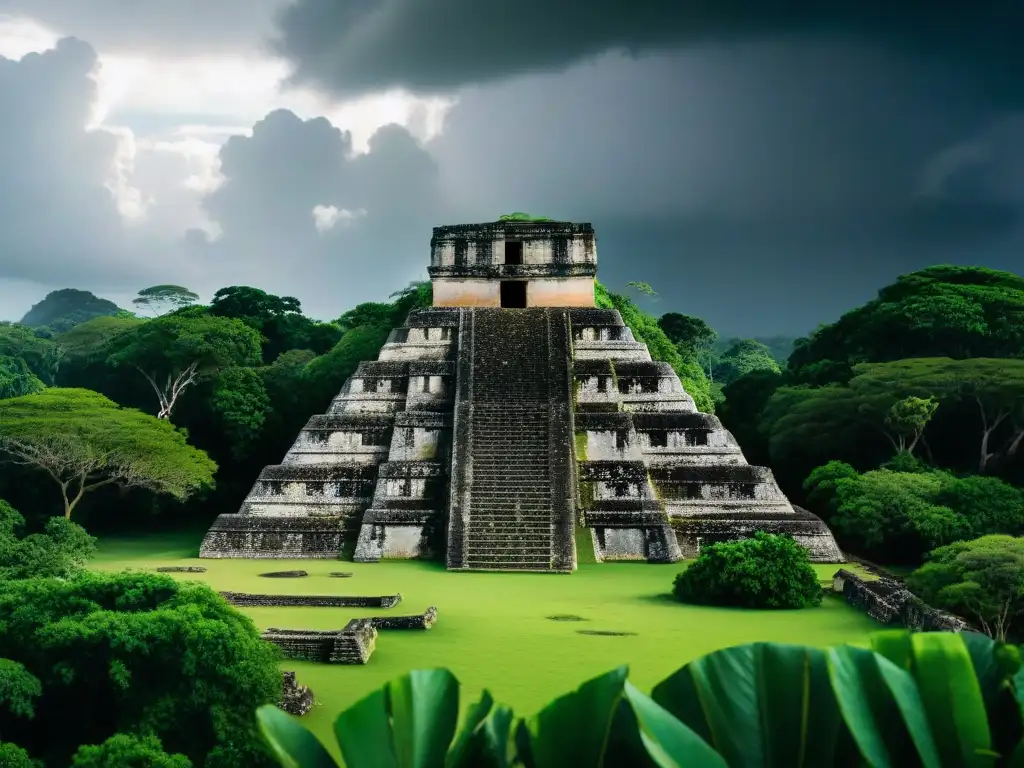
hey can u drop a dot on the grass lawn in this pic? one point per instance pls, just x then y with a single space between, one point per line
492 629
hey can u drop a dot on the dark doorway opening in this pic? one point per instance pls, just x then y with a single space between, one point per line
513 253
513 294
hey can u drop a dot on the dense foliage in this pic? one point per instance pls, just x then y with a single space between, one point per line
924 699
765 571
898 513
741 358
941 311
64 309
61 551
135 654
982 580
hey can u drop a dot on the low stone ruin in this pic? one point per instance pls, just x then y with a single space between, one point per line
284 574
181 569
247 600
889 602
352 645
295 699
424 620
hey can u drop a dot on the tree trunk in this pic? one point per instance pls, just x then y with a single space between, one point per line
986 433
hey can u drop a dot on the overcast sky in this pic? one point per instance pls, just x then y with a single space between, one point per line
765 166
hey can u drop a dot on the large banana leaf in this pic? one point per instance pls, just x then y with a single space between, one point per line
407 724
952 699
762 704
882 708
294 746
483 741
608 722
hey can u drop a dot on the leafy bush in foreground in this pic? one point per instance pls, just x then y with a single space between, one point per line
765 571
931 699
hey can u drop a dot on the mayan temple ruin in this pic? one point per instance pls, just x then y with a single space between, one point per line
508 425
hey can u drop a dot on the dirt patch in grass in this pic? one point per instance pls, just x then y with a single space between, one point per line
566 617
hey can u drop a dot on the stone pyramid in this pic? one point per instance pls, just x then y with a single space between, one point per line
508 425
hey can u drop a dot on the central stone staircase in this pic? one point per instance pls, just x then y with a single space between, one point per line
515 511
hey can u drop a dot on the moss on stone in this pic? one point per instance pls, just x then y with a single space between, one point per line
584 546
581 446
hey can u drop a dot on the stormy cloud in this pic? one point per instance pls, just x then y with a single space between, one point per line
362 45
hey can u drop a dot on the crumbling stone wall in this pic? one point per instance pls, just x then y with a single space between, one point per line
352 645
890 602
295 699
424 620
310 601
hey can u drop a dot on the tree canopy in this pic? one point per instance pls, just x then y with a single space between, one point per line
743 357
160 299
62 550
982 580
41 354
174 351
83 441
689 334
941 311
146 655
17 379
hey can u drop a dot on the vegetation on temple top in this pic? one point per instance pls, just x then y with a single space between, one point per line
519 216
764 571
929 699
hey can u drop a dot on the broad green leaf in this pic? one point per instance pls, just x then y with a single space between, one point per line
952 699
477 714
574 730
881 707
669 742
762 704
294 746
996 666
524 744
497 732
364 734
895 645
424 709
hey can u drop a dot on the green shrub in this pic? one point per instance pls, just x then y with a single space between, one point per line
928 698
766 571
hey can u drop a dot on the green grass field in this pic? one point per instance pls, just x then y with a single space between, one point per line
492 629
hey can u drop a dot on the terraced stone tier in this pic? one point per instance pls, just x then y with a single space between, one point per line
290 538
511 488
343 437
806 528
352 645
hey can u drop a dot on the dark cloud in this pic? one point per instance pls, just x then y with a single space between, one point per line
751 185
383 204
155 26
364 45
57 215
